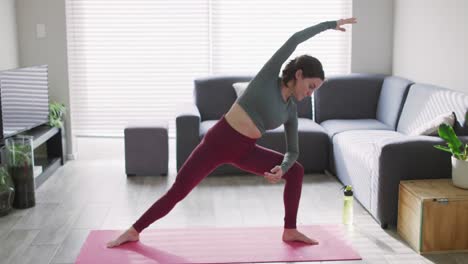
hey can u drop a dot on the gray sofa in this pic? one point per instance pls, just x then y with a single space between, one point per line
213 96
368 119
359 132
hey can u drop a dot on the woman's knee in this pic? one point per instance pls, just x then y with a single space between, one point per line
296 171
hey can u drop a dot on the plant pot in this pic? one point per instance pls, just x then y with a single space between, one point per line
23 179
20 166
6 198
460 173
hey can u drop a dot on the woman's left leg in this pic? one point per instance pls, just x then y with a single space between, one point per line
260 160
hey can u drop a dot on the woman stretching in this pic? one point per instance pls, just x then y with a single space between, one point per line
266 104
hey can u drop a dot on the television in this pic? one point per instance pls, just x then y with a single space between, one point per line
24 99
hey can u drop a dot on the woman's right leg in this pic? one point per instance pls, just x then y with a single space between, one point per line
201 162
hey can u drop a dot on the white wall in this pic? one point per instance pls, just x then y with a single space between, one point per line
8 38
431 42
51 50
372 40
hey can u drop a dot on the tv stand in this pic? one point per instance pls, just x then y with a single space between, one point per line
48 143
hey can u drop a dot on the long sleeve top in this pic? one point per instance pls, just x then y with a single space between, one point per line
263 101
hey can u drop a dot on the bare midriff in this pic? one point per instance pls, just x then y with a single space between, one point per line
241 122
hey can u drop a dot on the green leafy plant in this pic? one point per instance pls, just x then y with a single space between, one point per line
6 183
56 113
454 144
3 178
19 155
7 192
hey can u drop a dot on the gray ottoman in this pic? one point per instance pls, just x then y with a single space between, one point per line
146 149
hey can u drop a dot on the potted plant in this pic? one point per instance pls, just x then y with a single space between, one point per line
20 166
7 192
459 153
56 113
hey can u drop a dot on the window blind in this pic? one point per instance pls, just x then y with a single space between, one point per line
135 60
246 33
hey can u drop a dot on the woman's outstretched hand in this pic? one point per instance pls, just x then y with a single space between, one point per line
342 22
275 176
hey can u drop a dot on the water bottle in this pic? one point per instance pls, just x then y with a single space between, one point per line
348 205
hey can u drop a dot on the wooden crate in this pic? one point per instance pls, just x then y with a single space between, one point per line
433 215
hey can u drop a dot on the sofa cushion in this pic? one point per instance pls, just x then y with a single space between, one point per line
308 125
205 126
425 102
215 95
314 144
240 87
357 155
353 96
336 126
391 99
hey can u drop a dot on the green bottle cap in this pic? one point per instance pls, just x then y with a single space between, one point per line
348 190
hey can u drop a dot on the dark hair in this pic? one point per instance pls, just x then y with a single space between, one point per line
310 66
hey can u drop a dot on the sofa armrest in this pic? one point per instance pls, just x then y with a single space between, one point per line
406 158
188 120
414 157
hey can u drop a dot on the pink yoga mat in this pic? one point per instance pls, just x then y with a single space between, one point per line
218 245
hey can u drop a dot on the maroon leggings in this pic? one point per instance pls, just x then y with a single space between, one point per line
223 144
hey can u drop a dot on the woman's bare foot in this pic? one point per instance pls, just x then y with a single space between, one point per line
130 235
294 235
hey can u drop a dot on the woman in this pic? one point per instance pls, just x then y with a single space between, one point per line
265 104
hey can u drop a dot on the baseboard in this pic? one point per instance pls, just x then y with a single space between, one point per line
328 173
71 156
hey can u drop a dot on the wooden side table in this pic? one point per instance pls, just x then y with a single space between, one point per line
433 215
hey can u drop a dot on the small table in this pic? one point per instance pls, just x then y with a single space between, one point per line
433 215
